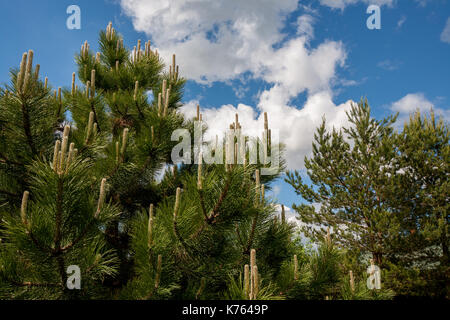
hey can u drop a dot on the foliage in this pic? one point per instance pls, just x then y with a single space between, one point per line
384 193
100 190
87 180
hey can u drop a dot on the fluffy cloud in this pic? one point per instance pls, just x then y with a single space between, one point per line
416 102
445 35
341 4
305 25
214 40
295 127
412 102
221 40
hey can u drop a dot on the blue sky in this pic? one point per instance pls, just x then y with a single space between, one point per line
295 60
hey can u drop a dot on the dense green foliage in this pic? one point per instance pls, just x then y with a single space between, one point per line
100 191
383 193
87 180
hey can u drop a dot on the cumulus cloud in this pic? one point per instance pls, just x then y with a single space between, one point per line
296 127
221 40
214 40
412 102
416 102
445 35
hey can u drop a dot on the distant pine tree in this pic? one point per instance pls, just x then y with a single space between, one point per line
350 172
384 193
421 194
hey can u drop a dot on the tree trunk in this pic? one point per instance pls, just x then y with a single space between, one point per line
377 258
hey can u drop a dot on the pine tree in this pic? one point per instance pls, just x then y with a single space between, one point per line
208 231
421 194
384 193
30 119
425 159
134 134
350 172
59 214
83 191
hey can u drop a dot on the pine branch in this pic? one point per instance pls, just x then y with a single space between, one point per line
77 239
9 193
215 213
95 116
32 284
4 159
38 245
58 216
27 128
202 205
239 237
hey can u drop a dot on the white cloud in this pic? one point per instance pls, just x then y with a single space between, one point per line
221 40
412 102
214 40
341 4
276 189
296 127
445 35
389 65
305 25
422 3
416 102
401 22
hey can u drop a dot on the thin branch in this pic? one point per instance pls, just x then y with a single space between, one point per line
31 284
78 239
95 116
9 193
252 232
215 212
202 205
27 128
4 159
37 244
179 237
239 237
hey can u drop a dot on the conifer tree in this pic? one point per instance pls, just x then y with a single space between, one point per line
384 193
420 193
424 151
54 224
83 191
30 120
350 172
134 133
